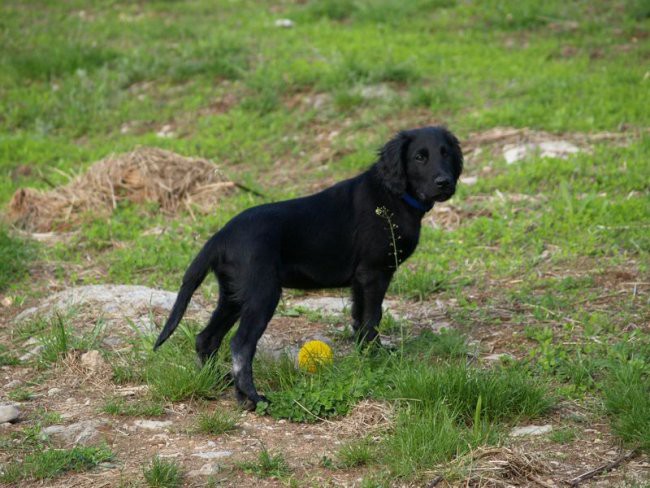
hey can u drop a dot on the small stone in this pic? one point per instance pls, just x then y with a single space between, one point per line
93 361
132 390
284 23
31 354
8 413
469 180
213 454
546 149
152 424
166 131
13 384
206 470
53 391
375 91
498 357
531 430
83 433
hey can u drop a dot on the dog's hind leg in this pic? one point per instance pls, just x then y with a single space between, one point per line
223 318
357 307
256 314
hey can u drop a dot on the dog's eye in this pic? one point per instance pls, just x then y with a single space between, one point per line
419 157
443 151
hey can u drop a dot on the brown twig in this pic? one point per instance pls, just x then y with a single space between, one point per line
605 467
435 481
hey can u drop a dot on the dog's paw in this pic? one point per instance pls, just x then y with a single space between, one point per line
252 405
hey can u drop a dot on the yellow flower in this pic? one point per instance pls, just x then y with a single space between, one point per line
313 355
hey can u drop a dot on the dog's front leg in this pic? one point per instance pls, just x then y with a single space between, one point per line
370 291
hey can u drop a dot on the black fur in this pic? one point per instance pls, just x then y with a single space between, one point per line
334 238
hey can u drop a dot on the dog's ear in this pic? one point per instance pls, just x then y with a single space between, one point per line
456 153
390 166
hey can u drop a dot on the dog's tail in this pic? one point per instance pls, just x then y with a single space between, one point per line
192 279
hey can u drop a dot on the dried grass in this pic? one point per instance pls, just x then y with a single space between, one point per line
366 417
144 175
503 467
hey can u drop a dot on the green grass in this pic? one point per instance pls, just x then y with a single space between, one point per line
215 423
563 436
627 400
171 373
15 254
162 473
553 250
7 358
121 407
50 463
356 453
20 394
58 336
267 465
444 407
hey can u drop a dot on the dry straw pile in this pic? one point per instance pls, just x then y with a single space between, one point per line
144 175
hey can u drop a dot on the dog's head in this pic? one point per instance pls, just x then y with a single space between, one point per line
424 163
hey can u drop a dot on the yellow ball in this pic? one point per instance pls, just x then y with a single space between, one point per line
313 355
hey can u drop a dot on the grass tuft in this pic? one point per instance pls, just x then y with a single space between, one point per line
14 256
267 465
215 423
51 463
358 453
162 473
627 400
120 407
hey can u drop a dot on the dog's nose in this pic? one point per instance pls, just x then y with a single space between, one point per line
442 182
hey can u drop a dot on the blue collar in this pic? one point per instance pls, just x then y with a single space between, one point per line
415 203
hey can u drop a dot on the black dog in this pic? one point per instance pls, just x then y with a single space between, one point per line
338 237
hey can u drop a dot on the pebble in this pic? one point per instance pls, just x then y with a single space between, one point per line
84 432
13 384
531 430
285 23
8 413
206 470
32 353
213 454
498 357
152 424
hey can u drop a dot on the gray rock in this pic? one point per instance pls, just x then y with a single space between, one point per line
152 424
8 413
213 454
469 180
376 91
13 384
335 305
108 299
531 430
546 149
123 308
206 470
79 433
31 353
53 391
285 23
